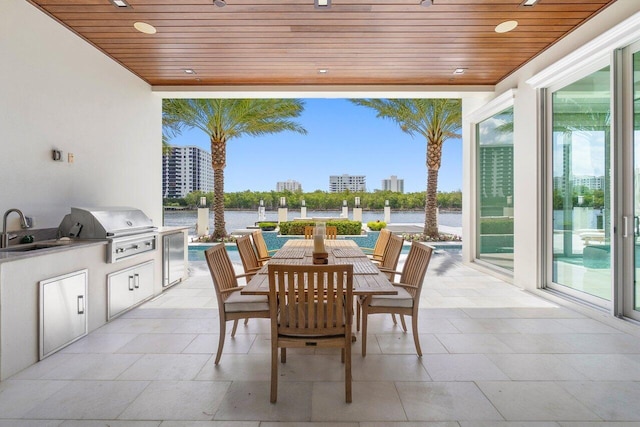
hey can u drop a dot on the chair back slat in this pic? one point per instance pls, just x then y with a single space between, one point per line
247 253
221 270
381 245
260 244
331 232
392 253
415 268
312 300
308 231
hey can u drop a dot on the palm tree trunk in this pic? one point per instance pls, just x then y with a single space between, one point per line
431 205
219 230
218 162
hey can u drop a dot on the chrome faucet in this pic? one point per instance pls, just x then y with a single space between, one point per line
5 234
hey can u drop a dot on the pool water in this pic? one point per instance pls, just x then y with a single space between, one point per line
196 252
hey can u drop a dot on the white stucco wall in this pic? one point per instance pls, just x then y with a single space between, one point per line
57 91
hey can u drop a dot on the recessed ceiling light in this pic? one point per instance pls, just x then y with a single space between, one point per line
220 3
143 27
189 71
120 3
459 71
506 26
323 71
426 3
529 2
322 4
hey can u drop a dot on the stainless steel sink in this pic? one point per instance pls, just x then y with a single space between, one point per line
34 246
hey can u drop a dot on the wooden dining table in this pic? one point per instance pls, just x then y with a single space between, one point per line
367 278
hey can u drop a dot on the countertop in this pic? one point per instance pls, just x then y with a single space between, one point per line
14 252
168 230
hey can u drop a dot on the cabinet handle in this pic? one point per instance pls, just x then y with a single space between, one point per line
136 280
80 304
130 283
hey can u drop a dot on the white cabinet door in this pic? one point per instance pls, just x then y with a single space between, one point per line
63 311
120 291
143 281
128 287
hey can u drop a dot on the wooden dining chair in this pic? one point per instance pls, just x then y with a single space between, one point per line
377 252
331 232
388 266
310 306
260 245
231 304
408 298
248 256
389 261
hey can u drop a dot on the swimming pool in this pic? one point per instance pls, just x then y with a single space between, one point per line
196 251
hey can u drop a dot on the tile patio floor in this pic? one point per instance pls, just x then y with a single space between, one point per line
493 356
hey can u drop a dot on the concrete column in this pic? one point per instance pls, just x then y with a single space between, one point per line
357 214
282 214
202 226
303 212
387 214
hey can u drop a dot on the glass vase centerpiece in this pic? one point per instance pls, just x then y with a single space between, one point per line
320 255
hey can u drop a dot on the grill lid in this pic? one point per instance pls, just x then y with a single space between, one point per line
104 222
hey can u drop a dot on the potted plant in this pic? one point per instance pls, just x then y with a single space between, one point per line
267 226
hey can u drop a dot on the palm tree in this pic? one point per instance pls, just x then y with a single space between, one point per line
225 119
170 128
436 120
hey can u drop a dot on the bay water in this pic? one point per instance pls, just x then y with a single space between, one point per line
236 220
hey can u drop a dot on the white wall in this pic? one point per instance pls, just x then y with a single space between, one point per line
60 92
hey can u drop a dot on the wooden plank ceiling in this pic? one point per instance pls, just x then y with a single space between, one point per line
288 42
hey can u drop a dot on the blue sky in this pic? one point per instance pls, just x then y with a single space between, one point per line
342 138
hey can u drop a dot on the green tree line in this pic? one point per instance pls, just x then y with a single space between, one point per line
321 200
590 198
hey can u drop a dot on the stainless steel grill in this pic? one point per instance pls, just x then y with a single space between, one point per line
128 231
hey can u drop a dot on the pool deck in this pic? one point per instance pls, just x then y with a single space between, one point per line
494 355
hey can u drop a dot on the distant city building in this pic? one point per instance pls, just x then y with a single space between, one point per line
496 170
588 181
288 185
354 183
393 184
186 169
591 182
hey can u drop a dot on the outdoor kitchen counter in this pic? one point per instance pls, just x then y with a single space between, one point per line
173 229
15 253
20 276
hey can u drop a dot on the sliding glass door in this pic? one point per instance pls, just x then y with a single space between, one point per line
631 291
495 200
581 181
635 301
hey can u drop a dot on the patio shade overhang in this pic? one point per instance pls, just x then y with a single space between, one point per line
353 42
